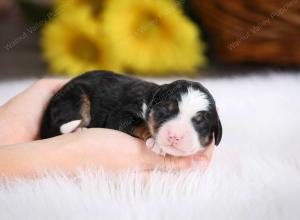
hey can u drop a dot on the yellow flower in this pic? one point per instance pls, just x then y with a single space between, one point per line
96 6
152 36
73 44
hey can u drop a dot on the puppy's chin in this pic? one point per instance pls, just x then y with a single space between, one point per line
178 153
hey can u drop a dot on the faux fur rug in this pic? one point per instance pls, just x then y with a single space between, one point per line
255 172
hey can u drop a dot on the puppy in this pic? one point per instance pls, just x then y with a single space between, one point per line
178 119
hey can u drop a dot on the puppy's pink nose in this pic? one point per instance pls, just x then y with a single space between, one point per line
174 139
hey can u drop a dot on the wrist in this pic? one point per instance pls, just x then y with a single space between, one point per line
6 131
61 153
35 158
13 129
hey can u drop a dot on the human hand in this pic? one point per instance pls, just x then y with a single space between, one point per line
97 148
20 120
126 152
204 156
20 117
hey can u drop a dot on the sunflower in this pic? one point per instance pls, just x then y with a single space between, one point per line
96 6
72 44
152 36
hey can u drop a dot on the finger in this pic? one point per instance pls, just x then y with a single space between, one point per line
49 85
201 159
152 161
181 163
43 90
204 157
175 163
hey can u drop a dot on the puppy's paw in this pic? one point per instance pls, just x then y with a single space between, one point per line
152 145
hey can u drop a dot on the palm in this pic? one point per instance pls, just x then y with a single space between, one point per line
23 113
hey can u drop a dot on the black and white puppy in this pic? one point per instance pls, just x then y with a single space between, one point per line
179 118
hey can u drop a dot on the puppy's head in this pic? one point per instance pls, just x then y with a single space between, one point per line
182 118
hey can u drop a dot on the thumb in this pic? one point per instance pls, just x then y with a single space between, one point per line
174 163
154 161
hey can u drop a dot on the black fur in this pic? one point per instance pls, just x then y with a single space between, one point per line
116 103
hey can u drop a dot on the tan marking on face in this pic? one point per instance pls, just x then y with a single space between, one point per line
142 132
152 125
85 110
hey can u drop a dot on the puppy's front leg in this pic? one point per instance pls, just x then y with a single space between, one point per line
152 145
142 132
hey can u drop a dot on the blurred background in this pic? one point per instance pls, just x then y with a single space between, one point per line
159 38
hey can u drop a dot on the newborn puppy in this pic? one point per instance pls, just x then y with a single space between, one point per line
179 118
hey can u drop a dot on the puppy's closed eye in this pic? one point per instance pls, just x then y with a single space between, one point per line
164 109
201 116
171 106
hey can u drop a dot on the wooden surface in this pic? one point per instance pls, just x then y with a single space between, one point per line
259 31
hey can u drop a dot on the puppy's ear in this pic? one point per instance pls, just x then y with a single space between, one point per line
217 129
158 95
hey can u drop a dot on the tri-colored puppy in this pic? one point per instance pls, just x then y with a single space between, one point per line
179 118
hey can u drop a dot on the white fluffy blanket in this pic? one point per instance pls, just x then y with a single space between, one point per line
255 172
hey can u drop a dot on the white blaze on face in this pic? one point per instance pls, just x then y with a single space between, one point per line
192 102
178 136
